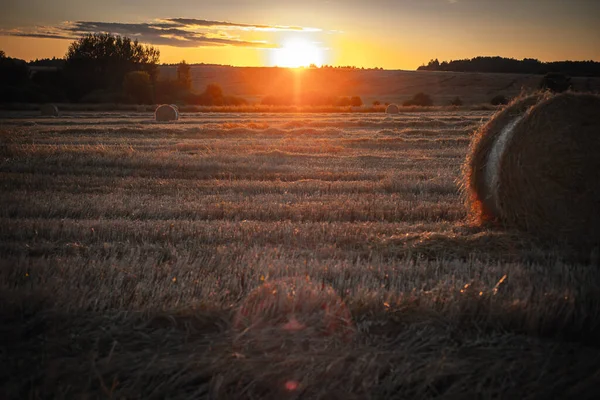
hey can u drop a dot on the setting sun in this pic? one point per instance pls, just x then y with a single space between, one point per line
298 53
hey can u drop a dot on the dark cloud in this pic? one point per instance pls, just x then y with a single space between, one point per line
178 32
37 35
207 23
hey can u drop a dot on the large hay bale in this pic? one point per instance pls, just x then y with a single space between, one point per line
165 113
49 110
392 109
535 167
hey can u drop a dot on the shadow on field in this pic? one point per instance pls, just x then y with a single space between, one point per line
455 344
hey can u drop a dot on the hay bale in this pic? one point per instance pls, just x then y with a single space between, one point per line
295 311
535 167
392 109
49 110
165 113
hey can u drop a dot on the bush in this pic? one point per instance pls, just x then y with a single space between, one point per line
499 100
457 101
376 103
356 101
137 86
343 102
555 82
419 99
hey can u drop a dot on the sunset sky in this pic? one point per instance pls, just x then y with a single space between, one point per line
394 34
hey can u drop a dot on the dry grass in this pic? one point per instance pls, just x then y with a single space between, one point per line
127 249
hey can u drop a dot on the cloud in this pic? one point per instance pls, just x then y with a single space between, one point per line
178 32
222 24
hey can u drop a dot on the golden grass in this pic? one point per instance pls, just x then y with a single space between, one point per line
127 249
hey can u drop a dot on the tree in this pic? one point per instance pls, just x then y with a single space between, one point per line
2 54
101 61
184 76
138 87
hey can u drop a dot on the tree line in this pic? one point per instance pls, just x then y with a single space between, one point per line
103 68
511 65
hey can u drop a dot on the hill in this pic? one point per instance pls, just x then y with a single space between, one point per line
254 83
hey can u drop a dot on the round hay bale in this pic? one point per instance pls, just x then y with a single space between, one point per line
535 167
165 113
292 312
481 206
49 110
392 109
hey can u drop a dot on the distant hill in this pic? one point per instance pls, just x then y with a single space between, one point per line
510 65
253 83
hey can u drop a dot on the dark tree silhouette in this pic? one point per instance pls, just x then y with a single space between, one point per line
510 65
101 61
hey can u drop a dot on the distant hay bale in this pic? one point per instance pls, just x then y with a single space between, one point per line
166 112
392 109
49 110
535 166
292 310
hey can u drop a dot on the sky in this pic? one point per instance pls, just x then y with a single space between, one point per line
393 34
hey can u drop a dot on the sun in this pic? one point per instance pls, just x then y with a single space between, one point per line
296 53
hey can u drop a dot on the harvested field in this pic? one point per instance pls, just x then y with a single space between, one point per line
128 247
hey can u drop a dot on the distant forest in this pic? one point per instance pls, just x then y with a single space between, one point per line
512 66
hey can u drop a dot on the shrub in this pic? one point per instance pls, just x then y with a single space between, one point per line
213 90
343 102
555 82
376 103
499 100
356 101
457 101
419 99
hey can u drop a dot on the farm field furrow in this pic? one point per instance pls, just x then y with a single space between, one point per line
128 249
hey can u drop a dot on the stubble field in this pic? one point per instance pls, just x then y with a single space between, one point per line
128 247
